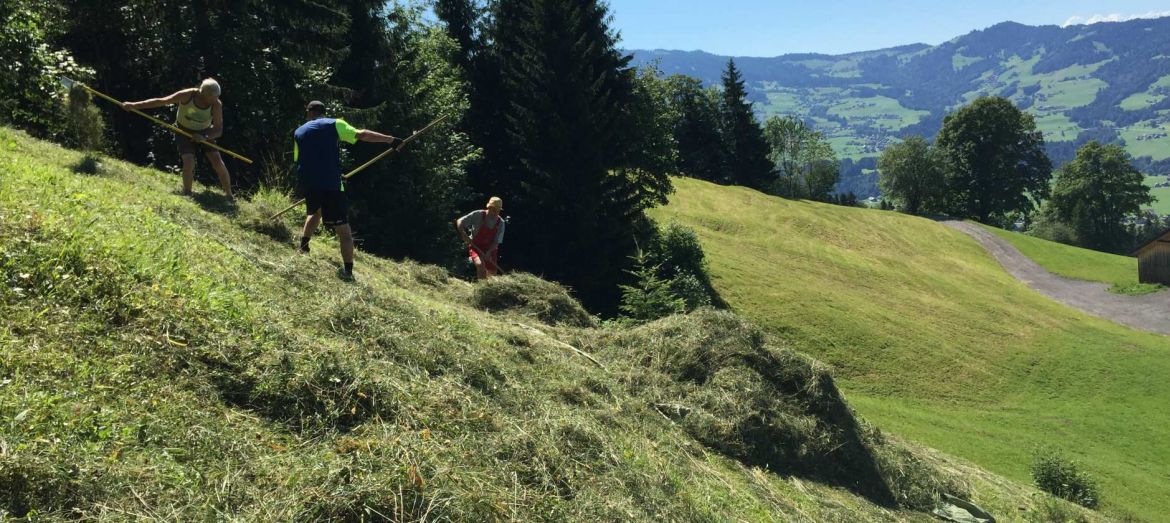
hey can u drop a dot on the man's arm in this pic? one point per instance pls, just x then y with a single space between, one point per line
159 102
462 233
367 135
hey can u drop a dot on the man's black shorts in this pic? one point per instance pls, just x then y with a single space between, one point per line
334 206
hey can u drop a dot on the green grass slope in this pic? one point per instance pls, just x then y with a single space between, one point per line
1083 264
932 340
170 358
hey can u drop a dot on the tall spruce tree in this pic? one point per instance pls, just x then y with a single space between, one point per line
562 96
747 150
461 18
398 75
696 128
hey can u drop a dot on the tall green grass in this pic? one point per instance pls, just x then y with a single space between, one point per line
931 339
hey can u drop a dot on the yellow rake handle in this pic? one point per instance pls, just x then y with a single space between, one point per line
170 127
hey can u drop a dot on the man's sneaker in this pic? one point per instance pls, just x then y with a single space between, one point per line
303 249
345 275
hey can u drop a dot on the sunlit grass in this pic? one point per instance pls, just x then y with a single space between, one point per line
936 342
1121 272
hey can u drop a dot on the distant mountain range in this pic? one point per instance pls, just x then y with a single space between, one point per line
1105 81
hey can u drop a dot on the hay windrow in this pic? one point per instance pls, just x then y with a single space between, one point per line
531 296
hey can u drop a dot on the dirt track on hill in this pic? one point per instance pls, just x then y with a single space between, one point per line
1150 312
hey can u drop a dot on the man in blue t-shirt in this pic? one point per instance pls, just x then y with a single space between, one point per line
317 155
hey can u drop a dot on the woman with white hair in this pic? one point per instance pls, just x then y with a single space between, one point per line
200 114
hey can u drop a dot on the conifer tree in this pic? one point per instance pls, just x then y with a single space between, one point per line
746 148
563 163
700 146
461 18
399 76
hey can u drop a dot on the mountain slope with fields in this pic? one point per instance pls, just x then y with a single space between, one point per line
932 339
170 358
1106 81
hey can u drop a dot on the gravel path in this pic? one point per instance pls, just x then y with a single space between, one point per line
1150 312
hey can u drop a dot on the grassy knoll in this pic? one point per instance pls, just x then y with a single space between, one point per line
1161 195
934 341
877 111
1078 263
1147 138
1147 98
170 358
1162 205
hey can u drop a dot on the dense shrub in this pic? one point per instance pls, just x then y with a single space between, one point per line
670 276
1061 477
693 291
678 249
29 90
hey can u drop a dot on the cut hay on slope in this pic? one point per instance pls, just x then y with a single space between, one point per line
765 406
531 296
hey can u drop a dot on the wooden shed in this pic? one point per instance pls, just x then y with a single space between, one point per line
1154 260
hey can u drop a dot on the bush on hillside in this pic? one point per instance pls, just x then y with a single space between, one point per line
1062 477
83 121
692 290
650 297
677 251
531 296
1050 228
669 276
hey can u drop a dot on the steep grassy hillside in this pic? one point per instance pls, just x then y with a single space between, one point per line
170 358
1083 264
933 340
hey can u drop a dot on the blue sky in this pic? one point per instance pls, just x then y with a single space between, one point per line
770 28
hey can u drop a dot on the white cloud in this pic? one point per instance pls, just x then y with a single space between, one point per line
1114 17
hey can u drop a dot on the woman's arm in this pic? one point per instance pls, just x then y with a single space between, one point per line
159 102
216 129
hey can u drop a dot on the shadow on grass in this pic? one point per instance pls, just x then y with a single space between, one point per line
89 164
216 203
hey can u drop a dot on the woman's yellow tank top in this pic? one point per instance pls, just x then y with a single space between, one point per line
193 117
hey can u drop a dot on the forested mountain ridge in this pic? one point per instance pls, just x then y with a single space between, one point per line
1106 81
